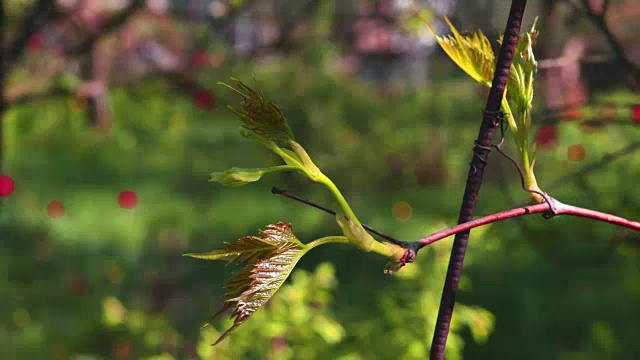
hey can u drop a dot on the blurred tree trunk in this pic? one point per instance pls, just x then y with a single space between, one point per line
95 70
3 77
86 72
550 24
290 18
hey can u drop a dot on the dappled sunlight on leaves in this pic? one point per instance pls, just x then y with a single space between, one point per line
298 322
114 312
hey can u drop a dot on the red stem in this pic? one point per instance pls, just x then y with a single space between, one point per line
561 209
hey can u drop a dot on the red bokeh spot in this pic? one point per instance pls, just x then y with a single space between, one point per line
402 211
128 199
78 287
573 113
55 209
608 112
576 152
191 351
7 186
122 350
35 42
547 135
150 278
588 128
204 99
199 59
635 114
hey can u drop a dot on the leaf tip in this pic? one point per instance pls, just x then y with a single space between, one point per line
426 22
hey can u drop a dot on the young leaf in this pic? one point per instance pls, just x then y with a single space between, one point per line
522 73
263 121
268 261
305 158
238 177
397 260
356 234
289 157
471 52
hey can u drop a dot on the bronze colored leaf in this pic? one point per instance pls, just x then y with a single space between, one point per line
263 121
268 260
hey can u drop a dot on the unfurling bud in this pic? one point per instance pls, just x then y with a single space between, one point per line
356 234
237 176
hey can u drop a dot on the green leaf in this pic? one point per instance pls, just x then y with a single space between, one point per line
263 121
268 260
289 157
471 52
305 158
522 74
356 234
238 177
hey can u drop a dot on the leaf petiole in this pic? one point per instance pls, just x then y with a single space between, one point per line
326 240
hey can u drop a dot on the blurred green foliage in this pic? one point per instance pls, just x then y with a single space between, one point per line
104 282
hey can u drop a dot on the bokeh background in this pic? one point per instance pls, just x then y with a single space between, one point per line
103 97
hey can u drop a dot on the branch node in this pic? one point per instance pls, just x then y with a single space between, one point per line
483 160
497 116
480 146
411 251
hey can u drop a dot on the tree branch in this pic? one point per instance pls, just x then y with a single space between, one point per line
56 92
29 27
606 160
542 208
285 193
3 76
180 84
599 20
560 209
474 178
116 21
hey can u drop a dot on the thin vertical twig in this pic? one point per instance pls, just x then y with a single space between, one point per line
474 179
38 13
110 26
3 76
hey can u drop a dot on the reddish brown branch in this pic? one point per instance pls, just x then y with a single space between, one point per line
474 178
560 209
542 208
